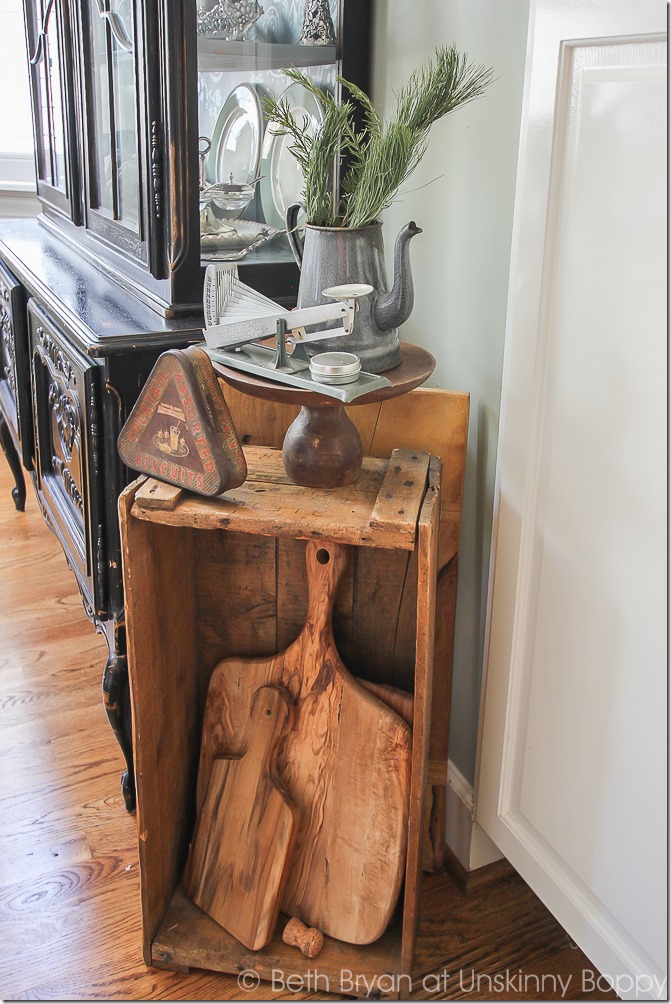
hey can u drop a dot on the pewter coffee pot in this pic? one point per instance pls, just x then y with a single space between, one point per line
331 256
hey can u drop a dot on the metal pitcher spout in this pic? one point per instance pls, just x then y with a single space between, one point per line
394 308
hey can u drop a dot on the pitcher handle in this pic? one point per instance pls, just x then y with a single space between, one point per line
292 231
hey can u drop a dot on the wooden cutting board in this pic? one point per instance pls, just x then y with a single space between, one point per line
346 762
246 830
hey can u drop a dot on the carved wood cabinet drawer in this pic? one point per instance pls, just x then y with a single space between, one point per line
14 369
66 407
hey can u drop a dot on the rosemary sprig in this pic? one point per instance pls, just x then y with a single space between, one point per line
383 155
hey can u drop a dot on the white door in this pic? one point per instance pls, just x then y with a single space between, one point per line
572 779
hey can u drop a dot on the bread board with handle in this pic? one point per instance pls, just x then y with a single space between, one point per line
246 830
346 763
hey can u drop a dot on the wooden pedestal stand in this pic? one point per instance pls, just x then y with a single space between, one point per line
194 597
322 447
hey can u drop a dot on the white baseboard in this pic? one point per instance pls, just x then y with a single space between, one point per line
465 838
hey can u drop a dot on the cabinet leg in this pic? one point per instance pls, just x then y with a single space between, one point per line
14 461
116 699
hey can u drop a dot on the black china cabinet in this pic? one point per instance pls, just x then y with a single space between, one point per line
141 109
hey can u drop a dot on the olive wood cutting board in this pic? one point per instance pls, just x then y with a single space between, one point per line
246 830
346 762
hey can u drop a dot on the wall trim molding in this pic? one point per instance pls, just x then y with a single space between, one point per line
465 838
18 202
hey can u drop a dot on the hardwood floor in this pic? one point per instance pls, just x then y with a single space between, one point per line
69 883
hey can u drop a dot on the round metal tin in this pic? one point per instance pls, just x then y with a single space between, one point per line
335 367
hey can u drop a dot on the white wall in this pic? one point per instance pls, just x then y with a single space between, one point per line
460 265
16 129
17 164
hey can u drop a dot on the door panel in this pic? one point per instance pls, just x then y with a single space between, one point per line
66 404
14 365
572 779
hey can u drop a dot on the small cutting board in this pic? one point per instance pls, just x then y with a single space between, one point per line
246 830
345 761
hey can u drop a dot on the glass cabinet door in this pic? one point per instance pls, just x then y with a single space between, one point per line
114 151
114 168
130 97
49 36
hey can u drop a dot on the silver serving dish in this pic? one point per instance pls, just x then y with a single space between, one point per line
230 240
231 196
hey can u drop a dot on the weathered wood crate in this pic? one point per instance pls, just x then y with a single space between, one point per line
209 579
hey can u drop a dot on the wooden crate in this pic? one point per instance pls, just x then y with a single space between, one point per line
212 578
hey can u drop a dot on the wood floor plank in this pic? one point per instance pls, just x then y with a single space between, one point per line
70 924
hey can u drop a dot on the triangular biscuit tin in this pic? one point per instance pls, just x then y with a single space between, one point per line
180 429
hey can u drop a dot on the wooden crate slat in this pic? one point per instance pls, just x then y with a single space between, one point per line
383 617
400 496
235 596
188 937
426 604
273 506
164 699
154 494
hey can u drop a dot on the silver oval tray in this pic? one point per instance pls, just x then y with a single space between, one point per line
238 237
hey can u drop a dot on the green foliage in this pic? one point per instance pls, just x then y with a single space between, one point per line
382 155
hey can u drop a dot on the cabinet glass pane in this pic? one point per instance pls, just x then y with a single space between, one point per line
239 63
56 110
51 124
115 153
103 121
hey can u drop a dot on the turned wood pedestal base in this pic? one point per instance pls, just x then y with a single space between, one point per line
322 447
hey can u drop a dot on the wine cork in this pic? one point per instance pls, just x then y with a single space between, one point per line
308 939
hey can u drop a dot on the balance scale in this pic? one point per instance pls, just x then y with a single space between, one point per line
237 316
